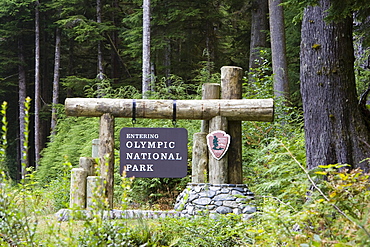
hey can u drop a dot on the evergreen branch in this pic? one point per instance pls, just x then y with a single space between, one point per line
322 193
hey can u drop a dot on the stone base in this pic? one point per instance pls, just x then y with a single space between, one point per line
204 198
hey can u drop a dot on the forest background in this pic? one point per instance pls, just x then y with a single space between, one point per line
51 50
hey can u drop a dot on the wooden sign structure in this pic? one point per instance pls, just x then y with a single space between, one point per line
223 114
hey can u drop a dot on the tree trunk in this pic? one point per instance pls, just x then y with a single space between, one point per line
23 147
37 85
100 76
259 28
278 49
146 48
55 99
335 128
167 62
115 58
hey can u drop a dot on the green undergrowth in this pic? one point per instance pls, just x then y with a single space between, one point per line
277 222
327 206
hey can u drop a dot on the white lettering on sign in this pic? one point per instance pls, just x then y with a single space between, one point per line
154 156
145 144
139 168
142 136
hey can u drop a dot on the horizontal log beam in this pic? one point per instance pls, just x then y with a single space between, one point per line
239 109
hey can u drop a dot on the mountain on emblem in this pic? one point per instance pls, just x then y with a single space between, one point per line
218 143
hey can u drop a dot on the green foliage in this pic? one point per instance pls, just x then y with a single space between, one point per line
172 87
205 231
15 228
72 132
103 88
27 106
111 233
76 84
3 138
259 84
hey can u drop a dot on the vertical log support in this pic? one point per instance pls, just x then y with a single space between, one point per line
218 169
94 192
89 165
200 151
231 88
209 91
106 154
200 158
77 198
95 148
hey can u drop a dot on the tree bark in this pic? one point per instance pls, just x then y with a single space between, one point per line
335 128
37 86
106 154
100 76
23 146
78 188
199 158
55 99
209 91
259 28
278 49
94 192
218 169
146 48
231 88
243 109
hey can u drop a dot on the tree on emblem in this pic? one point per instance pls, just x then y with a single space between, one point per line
218 143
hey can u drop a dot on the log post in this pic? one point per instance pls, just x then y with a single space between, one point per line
77 198
199 158
94 192
88 164
95 148
106 154
218 169
231 88
209 91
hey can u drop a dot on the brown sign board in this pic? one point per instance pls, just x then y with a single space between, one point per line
153 152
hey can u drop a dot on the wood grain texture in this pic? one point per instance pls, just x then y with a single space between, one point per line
242 109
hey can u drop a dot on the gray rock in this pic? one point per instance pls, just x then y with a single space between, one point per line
231 204
207 193
249 209
193 197
190 210
236 192
224 197
237 211
225 190
63 214
214 188
202 201
197 189
242 199
224 210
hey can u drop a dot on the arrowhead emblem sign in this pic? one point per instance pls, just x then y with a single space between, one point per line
218 143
